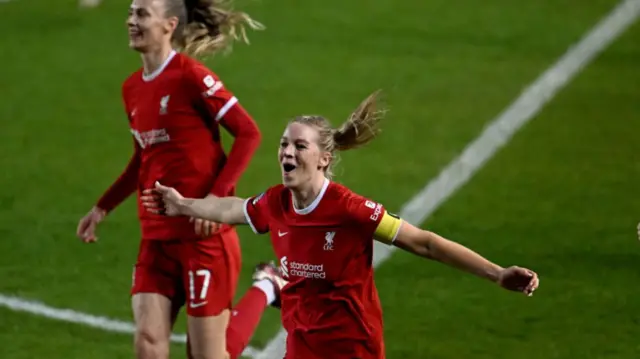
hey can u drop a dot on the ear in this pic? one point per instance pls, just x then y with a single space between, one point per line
171 24
325 159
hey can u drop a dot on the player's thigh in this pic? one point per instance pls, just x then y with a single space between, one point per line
207 336
157 292
152 313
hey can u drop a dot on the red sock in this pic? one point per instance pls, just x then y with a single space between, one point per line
244 320
245 317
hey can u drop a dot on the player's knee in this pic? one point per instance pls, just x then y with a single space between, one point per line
151 345
208 352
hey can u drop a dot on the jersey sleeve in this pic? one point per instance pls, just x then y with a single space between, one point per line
256 211
222 108
127 183
208 88
373 219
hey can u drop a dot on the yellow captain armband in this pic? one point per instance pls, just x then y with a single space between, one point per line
388 228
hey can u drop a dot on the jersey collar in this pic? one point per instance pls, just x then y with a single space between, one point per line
159 70
315 202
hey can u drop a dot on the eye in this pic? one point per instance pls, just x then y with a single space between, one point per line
142 13
301 147
283 144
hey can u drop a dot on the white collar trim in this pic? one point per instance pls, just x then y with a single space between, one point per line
315 202
159 70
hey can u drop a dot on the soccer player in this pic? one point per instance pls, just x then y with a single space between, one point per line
176 109
323 233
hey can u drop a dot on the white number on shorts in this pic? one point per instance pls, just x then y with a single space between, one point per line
206 278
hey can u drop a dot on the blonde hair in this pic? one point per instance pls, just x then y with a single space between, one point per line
208 26
359 129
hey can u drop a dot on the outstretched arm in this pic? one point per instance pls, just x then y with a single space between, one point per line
433 246
167 201
217 209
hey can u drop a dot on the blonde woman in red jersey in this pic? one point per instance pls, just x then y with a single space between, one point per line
322 234
176 109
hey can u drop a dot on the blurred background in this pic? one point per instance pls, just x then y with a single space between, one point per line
560 197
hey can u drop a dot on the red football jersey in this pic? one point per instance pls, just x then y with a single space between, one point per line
175 116
330 307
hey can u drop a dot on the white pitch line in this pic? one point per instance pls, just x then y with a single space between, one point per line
499 132
72 316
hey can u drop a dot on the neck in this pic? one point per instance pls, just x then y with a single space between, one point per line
152 60
303 197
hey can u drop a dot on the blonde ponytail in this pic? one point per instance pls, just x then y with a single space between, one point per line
359 129
208 26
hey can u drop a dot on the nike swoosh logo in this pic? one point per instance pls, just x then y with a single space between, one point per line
280 234
197 305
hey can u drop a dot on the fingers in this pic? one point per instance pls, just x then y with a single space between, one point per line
532 281
88 234
215 227
82 227
203 227
158 189
161 188
532 287
198 226
152 201
91 239
520 280
160 199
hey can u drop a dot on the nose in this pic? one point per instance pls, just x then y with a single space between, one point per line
131 20
288 151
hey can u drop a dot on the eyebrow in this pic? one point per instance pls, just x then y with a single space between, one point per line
299 140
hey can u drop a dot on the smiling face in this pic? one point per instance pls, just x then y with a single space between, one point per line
149 28
302 159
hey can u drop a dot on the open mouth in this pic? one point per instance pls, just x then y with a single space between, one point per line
135 34
288 167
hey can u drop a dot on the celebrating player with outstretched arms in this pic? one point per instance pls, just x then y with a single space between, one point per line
322 234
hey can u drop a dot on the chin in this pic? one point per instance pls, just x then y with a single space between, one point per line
289 182
137 46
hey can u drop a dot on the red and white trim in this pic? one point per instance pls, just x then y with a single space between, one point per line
227 106
246 215
159 70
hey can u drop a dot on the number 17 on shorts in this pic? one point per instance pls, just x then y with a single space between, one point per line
198 298
209 291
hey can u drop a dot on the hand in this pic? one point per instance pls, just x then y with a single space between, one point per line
205 228
519 279
162 200
86 230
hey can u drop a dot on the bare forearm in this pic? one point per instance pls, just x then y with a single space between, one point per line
217 209
458 256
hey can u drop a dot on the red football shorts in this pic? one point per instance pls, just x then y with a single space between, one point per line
201 273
